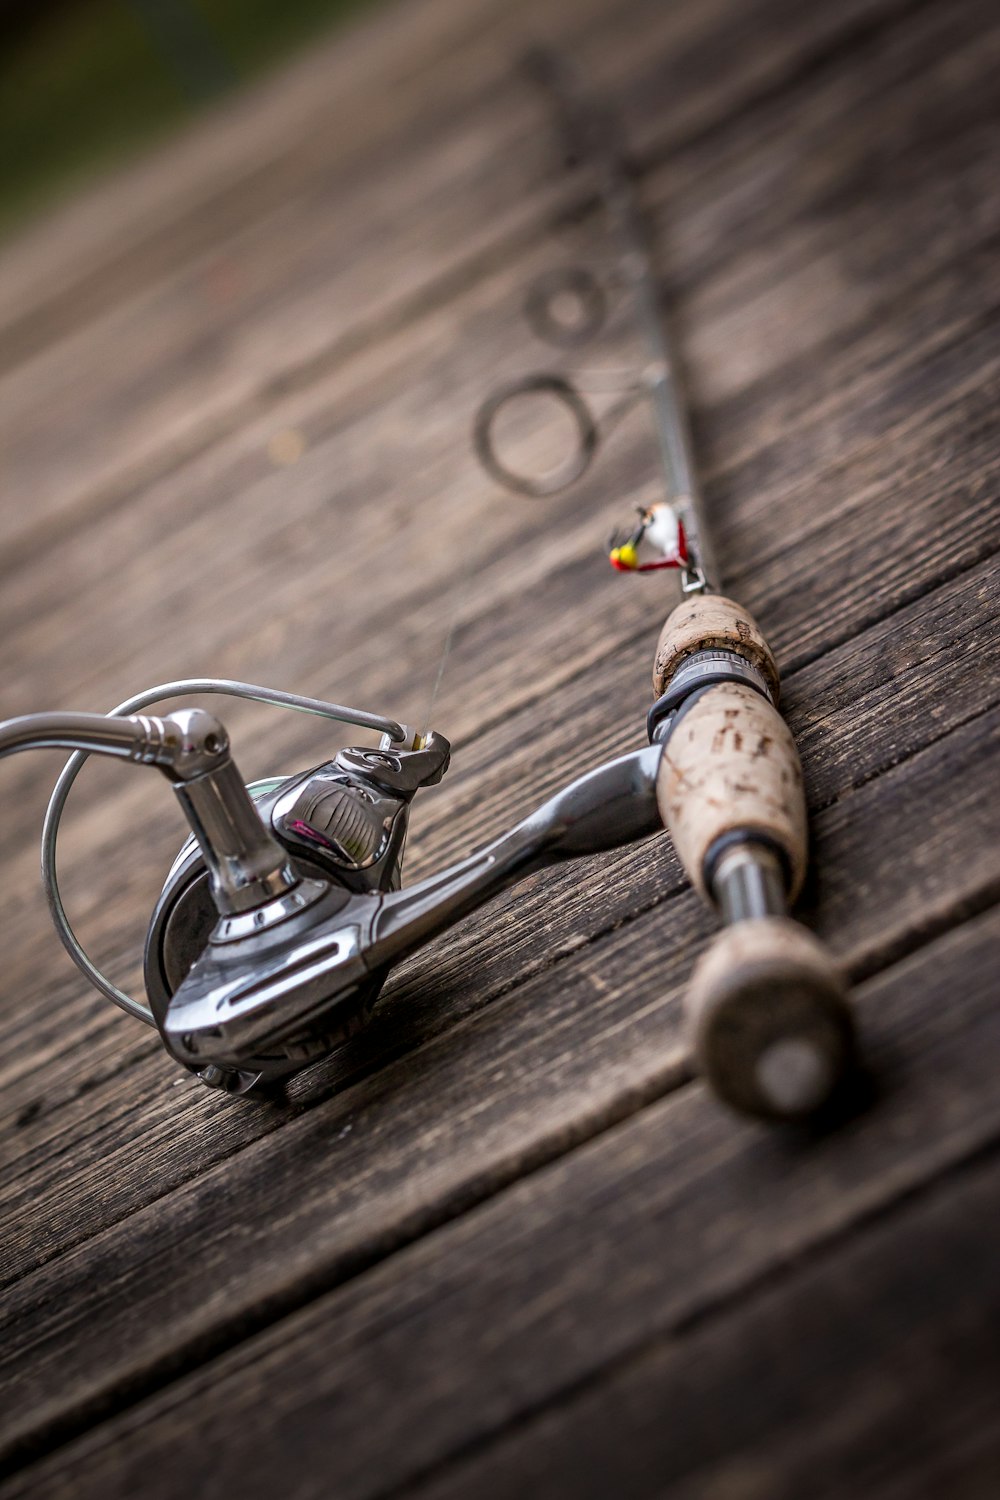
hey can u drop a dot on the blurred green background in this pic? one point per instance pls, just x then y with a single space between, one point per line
85 83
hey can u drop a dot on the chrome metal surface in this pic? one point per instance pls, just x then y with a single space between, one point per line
180 745
351 824
343 825
603 809
247 865
242 924
749 882
700 671
401 772
703 667
137 738
186 744
270 1002
185 920
392 732
293 965
196 744
351 814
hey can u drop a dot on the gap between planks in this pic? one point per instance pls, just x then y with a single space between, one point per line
535 1444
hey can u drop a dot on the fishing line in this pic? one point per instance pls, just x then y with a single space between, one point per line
449 641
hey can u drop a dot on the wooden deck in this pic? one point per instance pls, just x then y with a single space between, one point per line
504 1244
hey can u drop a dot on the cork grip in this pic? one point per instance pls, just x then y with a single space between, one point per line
731 766
767 1010
731 763
711 622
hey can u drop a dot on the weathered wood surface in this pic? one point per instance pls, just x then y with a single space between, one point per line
505 1243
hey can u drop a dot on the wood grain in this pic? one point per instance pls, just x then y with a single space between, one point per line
504 1241
303 1223
198 347
655 1227
720 1406
71 1077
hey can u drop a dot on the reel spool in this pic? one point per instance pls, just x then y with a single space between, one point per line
343 824
340 828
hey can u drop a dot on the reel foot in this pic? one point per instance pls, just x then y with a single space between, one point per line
230 1080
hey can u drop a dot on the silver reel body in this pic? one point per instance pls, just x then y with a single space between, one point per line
343 825
284 912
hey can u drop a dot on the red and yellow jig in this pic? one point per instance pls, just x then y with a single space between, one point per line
659 540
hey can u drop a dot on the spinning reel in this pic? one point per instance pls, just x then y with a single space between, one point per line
284 912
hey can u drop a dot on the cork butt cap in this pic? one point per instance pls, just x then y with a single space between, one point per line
771 1027
710 622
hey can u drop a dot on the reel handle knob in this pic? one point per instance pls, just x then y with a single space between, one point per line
767 1010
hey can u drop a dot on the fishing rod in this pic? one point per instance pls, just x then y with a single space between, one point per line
766 1006
284 912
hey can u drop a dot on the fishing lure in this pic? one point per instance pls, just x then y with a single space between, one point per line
660 536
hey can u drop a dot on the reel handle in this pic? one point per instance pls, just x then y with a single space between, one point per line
766 1008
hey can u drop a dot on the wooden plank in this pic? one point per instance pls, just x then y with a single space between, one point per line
274 512
891 511
363 1271
827 1381
80 1218
940 374
412 1144
931 560
640 1233
251 159
837 710
285 139
75 1075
